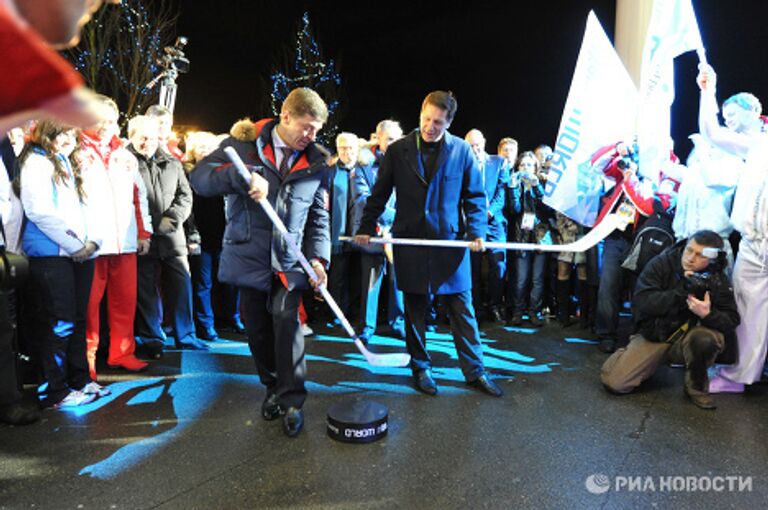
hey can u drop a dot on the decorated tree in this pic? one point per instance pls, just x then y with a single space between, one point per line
306 68
119 50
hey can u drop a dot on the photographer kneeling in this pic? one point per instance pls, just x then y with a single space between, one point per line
684 313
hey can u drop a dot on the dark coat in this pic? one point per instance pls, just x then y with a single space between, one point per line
168 195
496 181
363 180
253 249
659 303
521 201
451 206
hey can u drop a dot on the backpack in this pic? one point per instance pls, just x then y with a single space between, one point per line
654 237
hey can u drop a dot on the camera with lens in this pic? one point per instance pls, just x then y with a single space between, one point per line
698 284
174 57
631 157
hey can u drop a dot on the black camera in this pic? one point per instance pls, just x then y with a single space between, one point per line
632 156
13 269
698 284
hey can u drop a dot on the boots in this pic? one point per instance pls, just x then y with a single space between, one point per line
563 301
586 304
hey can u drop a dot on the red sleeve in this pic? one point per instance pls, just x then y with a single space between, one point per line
644 203
33 73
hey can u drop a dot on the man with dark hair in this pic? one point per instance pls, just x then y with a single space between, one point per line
685 313
439 196
289 170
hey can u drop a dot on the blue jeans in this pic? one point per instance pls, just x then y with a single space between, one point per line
530 268
202 267
609 293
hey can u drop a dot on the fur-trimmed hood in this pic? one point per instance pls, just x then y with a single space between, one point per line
245 130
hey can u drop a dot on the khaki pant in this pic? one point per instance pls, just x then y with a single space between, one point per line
629 366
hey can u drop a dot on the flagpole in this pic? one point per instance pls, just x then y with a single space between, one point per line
632 19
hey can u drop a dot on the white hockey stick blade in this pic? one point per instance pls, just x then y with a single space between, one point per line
384 360
610 223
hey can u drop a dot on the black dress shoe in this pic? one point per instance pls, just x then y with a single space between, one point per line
486 384
270 409
239 328
152 350
192 344
208 334
20 412
293 421
424 382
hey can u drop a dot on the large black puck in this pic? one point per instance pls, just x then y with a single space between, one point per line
357 421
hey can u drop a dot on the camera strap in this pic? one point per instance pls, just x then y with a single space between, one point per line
679 333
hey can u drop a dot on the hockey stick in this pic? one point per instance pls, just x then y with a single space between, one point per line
382 360
610 223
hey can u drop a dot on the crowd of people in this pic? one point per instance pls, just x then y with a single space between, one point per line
177 243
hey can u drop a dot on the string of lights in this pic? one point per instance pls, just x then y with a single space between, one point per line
309 70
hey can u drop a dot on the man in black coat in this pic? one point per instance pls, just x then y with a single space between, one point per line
685 313
170 203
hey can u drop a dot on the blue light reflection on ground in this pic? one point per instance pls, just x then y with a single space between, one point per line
201 380
580 341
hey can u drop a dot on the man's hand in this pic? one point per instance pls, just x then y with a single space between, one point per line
259 187
85 252
194 248
362 240
477 245
142 246
707 78
322 277
167 225
698 307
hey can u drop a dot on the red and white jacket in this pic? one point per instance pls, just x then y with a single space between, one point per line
642 197
120 190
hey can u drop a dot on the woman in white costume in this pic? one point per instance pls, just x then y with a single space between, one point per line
744 135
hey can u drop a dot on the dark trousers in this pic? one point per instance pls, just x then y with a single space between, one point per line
172 273
372 274
466 337
276 341
494 285
615 250
58 291
9 386
395 306
340 279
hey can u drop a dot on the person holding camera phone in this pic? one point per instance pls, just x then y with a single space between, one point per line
530 222
685 313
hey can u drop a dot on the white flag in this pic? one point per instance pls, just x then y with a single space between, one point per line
601 109
672 31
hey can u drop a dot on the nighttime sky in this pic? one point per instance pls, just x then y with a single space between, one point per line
509 63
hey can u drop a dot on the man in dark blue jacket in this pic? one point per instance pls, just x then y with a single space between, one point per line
290 171
494 171
439 196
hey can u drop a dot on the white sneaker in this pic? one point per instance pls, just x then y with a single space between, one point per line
94 388
75 398
306 330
